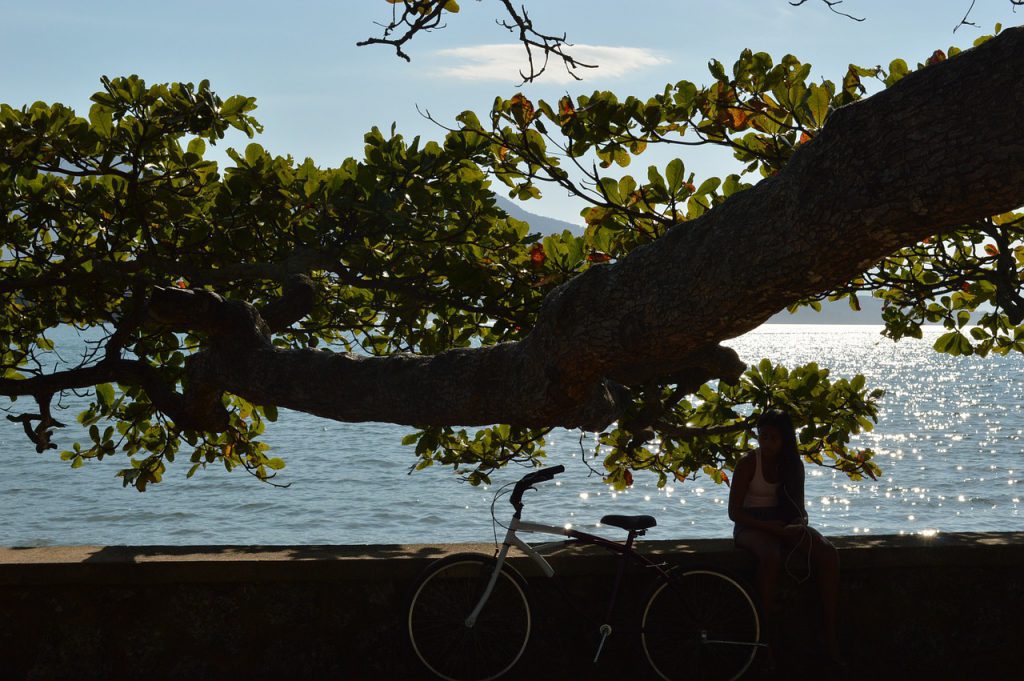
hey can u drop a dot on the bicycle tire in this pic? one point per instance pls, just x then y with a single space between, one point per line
701 625
444 596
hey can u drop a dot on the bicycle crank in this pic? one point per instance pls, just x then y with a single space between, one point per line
606 631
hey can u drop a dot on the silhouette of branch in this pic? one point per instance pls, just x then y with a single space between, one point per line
965 22
422 16
832 6
547 44
417 16
39 435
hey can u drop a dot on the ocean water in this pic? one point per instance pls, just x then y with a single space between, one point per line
948 441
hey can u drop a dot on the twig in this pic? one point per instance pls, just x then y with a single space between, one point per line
964 22
832 6
426 15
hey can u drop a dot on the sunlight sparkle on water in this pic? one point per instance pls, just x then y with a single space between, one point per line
942 423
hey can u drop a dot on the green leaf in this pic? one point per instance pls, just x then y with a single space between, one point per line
707 186
197 146
101 119
674 175
953 343
716 69
105 395
897 71
817 103
254 153
610 189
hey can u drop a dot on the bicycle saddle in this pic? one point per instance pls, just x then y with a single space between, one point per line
629 522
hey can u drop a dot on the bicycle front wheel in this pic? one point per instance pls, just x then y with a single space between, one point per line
442 600
700 625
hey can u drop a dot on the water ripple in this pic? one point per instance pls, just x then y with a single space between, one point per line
948 442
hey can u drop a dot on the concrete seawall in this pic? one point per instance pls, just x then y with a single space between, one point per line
947 607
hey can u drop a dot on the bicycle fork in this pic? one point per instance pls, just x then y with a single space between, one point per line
512 540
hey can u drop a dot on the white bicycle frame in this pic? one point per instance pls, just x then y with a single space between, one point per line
512 539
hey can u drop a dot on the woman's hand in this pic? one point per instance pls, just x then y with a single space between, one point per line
793 532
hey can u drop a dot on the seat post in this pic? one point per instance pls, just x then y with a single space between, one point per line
623 559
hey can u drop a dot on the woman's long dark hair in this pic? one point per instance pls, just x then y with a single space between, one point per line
789 461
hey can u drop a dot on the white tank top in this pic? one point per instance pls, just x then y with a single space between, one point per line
760 493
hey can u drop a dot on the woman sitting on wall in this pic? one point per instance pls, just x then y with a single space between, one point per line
766 501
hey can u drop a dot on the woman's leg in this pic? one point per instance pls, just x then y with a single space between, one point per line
767 549
826 559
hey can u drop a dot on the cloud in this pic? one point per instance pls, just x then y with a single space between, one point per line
502 62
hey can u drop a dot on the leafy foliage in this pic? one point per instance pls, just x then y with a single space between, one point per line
411 254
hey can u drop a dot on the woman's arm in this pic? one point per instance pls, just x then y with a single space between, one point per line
798 497
741 477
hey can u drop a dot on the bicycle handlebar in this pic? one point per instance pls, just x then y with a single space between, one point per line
529 480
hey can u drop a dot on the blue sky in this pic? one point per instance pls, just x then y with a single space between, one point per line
318 93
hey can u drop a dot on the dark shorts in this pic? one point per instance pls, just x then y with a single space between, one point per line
766 545
766 513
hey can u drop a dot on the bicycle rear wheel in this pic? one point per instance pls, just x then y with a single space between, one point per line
443 598
700 625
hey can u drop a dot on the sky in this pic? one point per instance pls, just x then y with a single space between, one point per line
317 92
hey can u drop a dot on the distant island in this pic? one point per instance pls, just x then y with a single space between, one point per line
833 312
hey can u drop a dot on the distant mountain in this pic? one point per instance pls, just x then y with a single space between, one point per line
834 312
538 223
837 312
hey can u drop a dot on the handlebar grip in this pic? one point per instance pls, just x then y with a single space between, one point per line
548 473
530 479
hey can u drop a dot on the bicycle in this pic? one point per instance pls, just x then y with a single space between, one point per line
469 617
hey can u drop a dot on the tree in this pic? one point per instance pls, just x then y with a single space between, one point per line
219 293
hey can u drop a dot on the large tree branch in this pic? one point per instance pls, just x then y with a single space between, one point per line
199 408
934 151
230 326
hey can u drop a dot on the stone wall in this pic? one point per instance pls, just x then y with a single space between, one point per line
947 607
